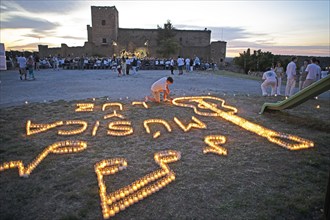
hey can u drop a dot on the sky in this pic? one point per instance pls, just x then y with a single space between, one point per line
291 27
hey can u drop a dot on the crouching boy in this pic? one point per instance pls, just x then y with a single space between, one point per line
160 86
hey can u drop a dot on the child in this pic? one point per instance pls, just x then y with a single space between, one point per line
160 86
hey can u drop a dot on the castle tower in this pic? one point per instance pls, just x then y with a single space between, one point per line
105 24
218 52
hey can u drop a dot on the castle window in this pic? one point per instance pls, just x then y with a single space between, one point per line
104 40
180 39
103 22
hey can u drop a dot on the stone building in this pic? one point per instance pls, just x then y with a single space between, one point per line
106 38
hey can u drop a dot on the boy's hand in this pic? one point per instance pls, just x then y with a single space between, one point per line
168 100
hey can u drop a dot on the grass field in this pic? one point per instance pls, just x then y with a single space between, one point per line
256 180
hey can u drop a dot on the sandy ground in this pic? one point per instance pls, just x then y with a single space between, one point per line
75 85
256 180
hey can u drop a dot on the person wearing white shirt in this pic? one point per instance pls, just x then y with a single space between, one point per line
279 70
291 80
313 71
324 73
172 66
303 74
187 64
22 67
160 86
55 63
270 81
180 65
197 62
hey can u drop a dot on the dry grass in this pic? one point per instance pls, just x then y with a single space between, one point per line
256 180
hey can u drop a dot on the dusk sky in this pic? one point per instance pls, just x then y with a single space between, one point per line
289 27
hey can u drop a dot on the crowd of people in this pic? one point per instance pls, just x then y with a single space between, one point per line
122 65
94 62
306 75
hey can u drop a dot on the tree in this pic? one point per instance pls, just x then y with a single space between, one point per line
166 43
258 61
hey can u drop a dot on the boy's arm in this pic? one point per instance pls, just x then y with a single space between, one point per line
167 94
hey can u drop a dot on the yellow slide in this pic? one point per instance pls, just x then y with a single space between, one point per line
302 96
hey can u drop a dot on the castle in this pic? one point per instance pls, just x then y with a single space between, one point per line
106 38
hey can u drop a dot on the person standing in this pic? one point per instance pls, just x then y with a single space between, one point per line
30 66
37 62
270 81
303 74
197 62
180 62
81 63
160 86
191 65
312 73
319 70
134 64
324 73
22 67
172 66
291 73
55 63
128 65
279 74
187 61
123 65
119 67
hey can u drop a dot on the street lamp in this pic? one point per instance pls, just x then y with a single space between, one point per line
147 45
114 45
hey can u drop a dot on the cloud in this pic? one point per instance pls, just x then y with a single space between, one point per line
72 37
30 46
32 35
65 37
225 33
37 6
235 48
21 22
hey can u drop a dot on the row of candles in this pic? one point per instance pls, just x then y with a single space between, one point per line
293 142
140 189
117 128
62 147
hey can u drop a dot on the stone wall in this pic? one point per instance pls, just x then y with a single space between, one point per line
135 39
191 42
218 52
193 38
